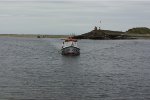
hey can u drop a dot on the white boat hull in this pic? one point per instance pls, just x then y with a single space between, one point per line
70 50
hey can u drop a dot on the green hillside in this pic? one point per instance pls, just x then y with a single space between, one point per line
139 30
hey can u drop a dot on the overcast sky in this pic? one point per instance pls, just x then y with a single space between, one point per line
71 16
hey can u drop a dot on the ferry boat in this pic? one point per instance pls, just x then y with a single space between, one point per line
69 47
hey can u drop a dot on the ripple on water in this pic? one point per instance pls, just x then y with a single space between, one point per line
32 69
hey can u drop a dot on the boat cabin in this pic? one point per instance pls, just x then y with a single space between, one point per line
69 42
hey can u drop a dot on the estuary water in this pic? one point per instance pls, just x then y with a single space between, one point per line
34 69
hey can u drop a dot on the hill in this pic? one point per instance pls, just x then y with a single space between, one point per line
100 34
139 30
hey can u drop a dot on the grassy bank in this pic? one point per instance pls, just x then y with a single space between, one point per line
139 36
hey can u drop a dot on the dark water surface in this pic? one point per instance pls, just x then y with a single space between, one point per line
33 69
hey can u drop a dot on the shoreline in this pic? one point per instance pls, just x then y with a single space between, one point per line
33 36
133 36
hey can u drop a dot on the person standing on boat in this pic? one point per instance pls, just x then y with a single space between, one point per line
63 45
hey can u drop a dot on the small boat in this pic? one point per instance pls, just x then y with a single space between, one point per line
69 47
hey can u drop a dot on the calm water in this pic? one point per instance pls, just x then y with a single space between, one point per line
33 69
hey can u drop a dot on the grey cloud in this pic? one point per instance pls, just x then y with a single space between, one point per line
78 16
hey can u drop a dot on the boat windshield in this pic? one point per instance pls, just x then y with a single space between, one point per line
69 43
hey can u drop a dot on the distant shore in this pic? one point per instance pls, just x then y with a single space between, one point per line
95 34
33 36
129 36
